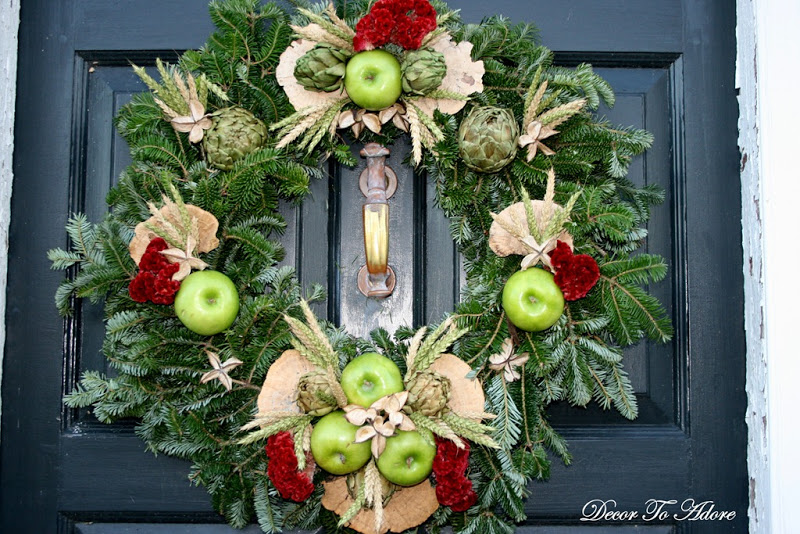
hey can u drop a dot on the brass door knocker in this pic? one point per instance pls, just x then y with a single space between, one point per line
378 183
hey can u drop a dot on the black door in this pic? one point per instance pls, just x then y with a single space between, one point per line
672 64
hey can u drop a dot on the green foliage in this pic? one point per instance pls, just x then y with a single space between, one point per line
156 363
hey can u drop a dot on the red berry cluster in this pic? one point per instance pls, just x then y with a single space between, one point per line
576 274
154 281
453 488
402 22
282 468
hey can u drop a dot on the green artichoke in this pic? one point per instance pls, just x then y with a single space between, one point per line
321 69
423 71
487 139
428 393
314 395
234 133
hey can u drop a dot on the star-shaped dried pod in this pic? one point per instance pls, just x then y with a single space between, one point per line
185 259
197 120
358 415
538 252
380 420
533 136
506 361
359 119
397 114
220 370
392 406
195 123
377 431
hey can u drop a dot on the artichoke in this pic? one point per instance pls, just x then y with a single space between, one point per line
423 71
487 139
235 133
314 395
428 393
321 69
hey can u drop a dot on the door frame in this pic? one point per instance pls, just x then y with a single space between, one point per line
9 44
763 32
767 41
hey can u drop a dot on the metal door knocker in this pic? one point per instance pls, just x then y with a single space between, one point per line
378 183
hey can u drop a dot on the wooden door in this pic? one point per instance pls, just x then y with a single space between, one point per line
672 65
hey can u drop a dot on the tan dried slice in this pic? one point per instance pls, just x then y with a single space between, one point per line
207 226
278 392
408 507
503 243
466 394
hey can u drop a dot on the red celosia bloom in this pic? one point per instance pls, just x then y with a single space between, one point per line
152 260
141 288
453 488
450 459
456 492
402 22
575 274
282 469
560 255
154 281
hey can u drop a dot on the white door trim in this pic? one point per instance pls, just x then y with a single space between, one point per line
768 48
9 28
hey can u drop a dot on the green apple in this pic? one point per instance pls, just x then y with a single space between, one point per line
532 300
373 79
207 302
333 445
369 377
407 459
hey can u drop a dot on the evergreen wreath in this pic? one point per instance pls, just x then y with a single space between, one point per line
223 137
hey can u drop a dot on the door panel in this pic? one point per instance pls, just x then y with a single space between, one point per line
671 64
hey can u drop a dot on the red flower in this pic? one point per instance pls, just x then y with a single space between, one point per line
282 468
141 287
560 255
154 281
402 22
576 275
152 260
456 492
453 488
449 459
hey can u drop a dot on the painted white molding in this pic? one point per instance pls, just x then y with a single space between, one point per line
9 28
768 48
752 235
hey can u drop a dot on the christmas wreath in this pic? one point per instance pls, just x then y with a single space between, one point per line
216 351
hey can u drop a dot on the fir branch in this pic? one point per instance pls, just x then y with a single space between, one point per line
268 515
508 423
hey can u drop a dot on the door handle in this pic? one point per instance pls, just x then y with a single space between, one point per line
378 182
